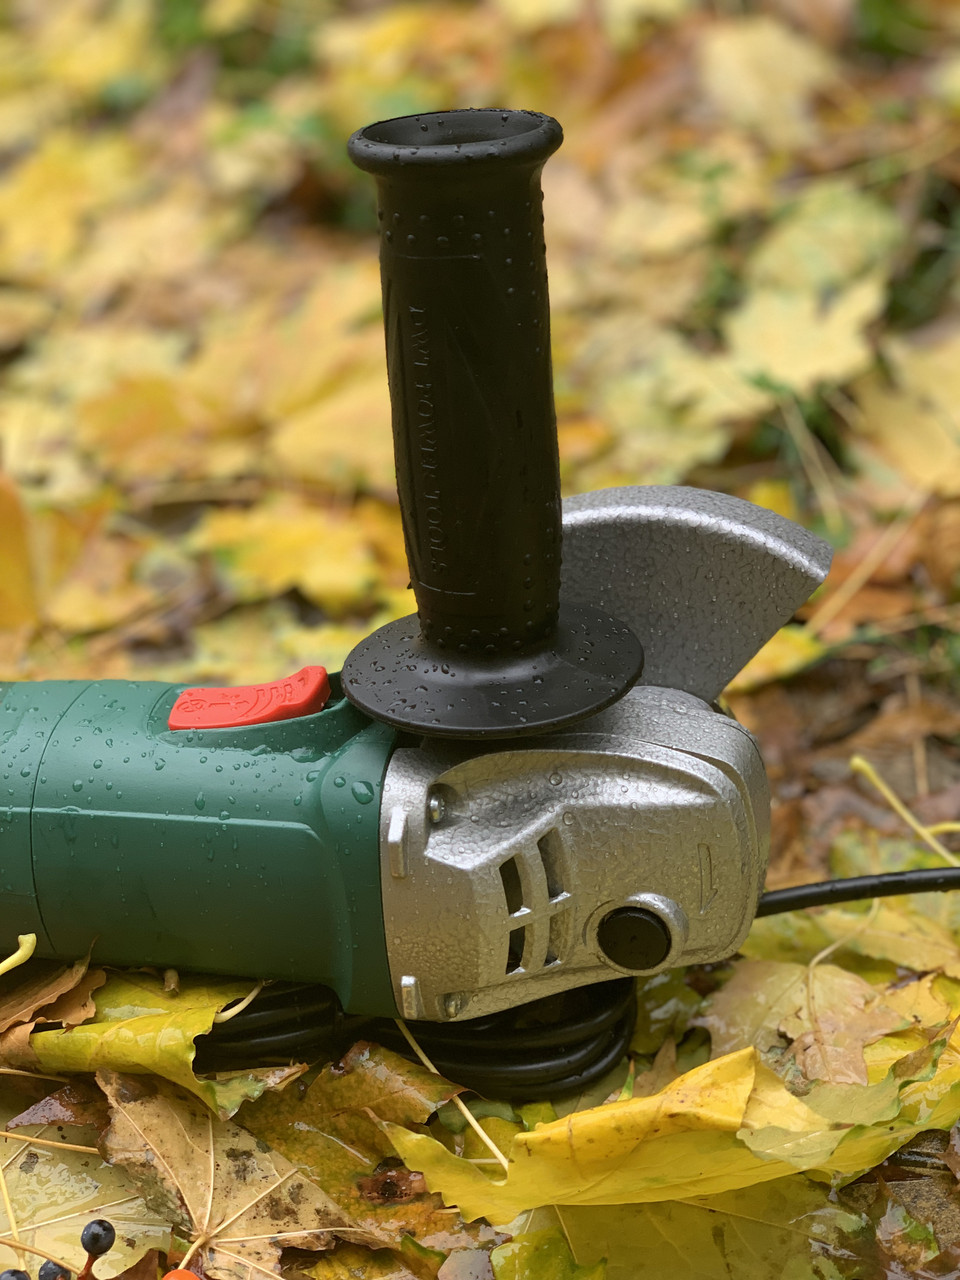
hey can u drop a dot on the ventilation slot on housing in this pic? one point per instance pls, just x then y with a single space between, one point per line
515 950
551 855
512 888
557 942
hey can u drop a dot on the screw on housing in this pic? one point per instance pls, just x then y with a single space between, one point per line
493 651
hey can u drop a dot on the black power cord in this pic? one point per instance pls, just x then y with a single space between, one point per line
553 1046
550 1047
557 1045
857 888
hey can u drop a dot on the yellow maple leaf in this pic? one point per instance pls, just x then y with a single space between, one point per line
264 366
100 590
913 422
45 201
830 235
788 651
269 549
22 313
165 239
70 364
81 47
761 74
798 341
149 429
343 440
18 607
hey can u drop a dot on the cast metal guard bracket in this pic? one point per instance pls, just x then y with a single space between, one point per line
703 579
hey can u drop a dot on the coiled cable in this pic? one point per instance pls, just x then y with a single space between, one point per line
557 1045
560 1044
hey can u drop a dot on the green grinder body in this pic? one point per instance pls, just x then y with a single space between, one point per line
245 850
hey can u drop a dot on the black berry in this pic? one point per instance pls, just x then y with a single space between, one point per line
13 1275
52 1271
97 1237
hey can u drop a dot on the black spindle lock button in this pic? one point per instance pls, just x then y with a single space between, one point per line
634 938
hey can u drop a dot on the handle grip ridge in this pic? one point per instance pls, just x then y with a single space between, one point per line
467 323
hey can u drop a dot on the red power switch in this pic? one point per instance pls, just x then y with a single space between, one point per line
302 694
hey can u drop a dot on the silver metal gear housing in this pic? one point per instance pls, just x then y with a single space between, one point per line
498 864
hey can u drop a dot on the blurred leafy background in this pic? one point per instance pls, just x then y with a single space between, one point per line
753 236
754 243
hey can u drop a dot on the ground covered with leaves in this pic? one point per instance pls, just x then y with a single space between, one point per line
753 235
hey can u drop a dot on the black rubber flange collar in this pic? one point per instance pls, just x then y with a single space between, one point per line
395 676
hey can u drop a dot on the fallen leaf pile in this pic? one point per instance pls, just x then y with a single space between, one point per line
753 233
751 277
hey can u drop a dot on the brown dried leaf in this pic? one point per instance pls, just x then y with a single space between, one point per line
16 1050
77 1005
77 1103
827 1014
333 1131
237 1200
146 1268
33 986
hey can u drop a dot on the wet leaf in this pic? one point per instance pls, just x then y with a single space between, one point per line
224 1191
351 1262
765 1232
140 1027
666 1006
55 1193
194 436
823 1013
76 1103
891 932
728 1124
541 1255
333 1133
904 1242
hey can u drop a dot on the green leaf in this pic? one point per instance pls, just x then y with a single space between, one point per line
541 1255
665 1007
333 1133
351 1262
775 1231
139 1027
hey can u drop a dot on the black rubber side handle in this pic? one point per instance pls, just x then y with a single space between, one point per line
466 311
467 322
